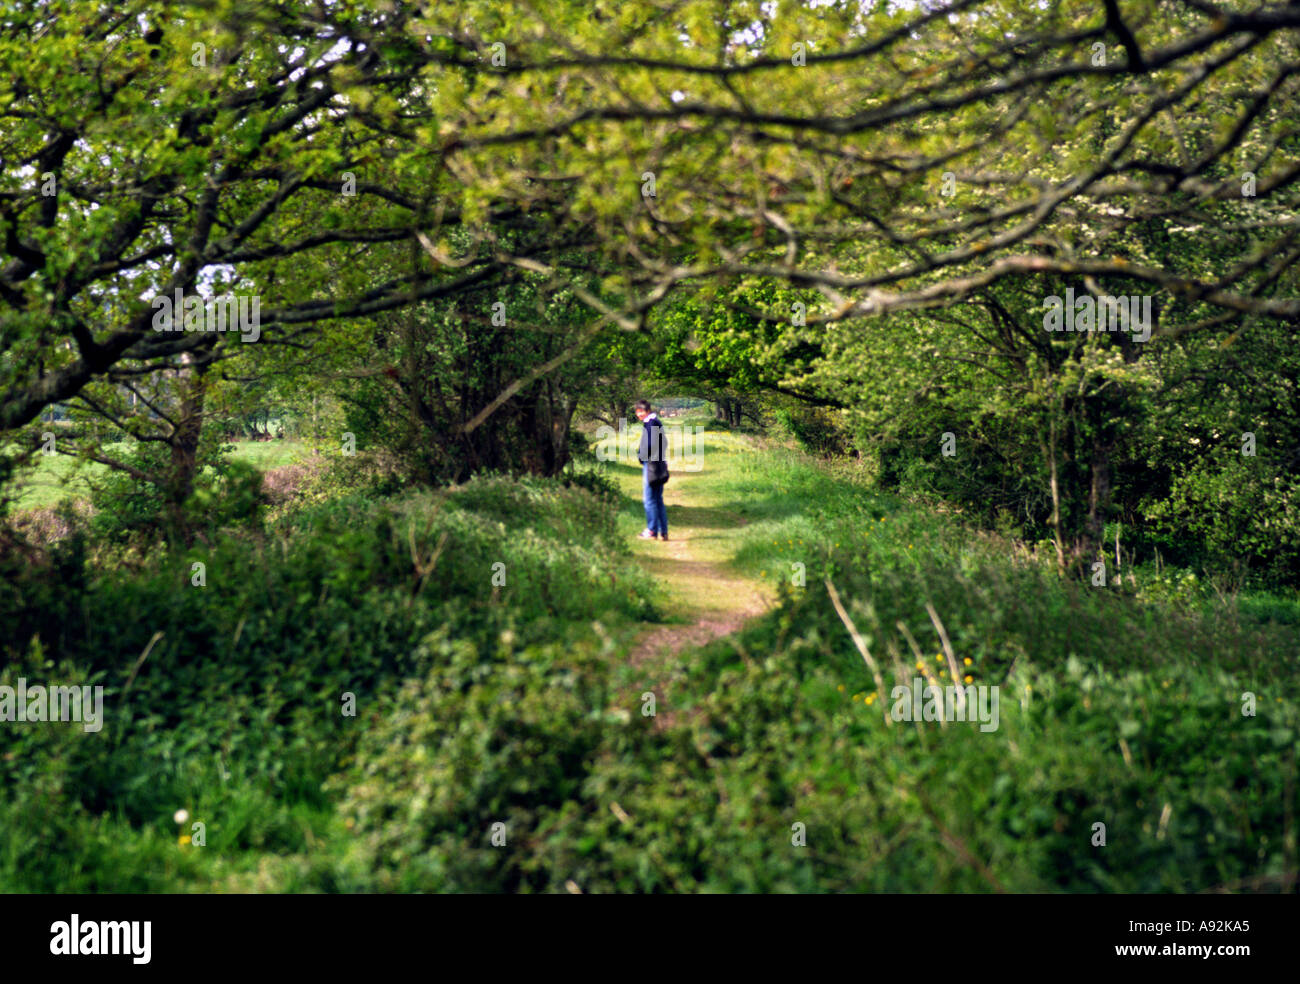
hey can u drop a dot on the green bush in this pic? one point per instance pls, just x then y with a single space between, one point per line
814 429
225 699
1242 512
123 504
226 492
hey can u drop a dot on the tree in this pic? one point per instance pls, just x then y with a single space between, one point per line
873 160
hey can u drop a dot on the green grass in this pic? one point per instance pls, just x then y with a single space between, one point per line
270 454
1120 705
512 703
1116 709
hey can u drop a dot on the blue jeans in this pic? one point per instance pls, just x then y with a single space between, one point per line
656 513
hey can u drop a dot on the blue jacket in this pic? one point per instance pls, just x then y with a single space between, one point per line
653 452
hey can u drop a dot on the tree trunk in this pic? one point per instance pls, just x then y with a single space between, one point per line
183 444
1058 537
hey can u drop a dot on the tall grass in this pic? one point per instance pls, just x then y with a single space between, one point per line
500 742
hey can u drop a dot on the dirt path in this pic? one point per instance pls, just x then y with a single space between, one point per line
696 583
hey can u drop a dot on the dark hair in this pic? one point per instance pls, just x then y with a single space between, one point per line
643 405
